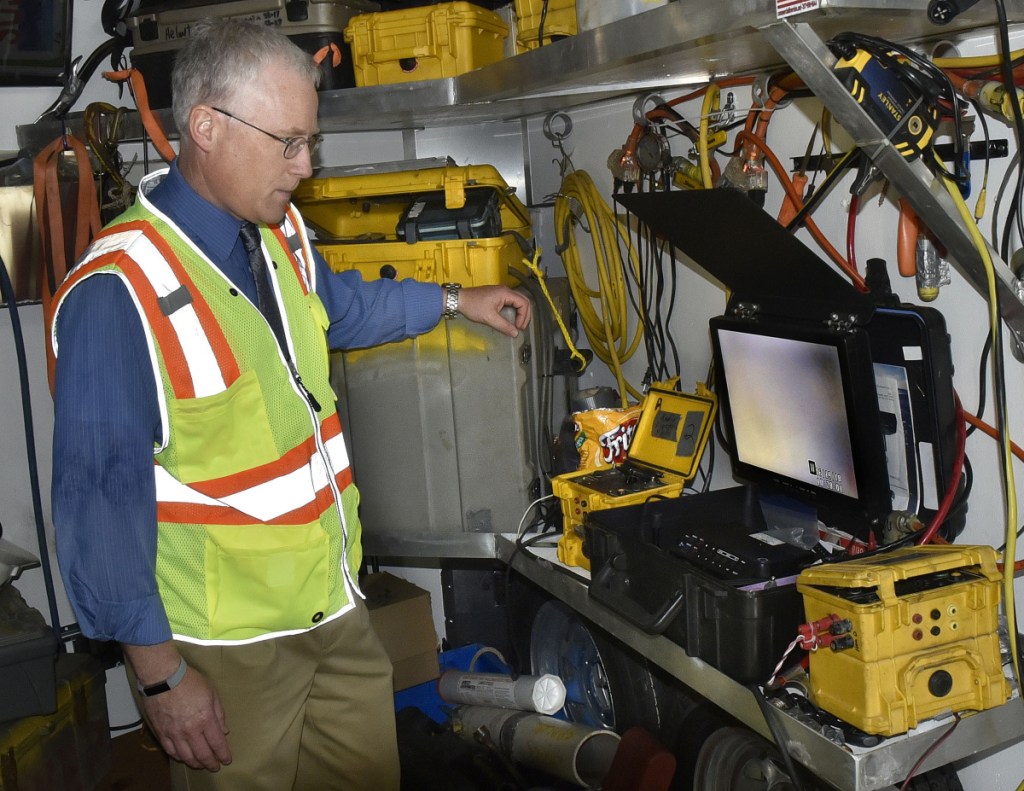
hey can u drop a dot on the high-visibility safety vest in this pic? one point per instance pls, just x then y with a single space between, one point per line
256 509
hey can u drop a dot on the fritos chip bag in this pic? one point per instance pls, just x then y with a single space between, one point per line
603 436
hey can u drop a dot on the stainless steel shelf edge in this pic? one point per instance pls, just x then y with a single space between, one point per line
807 54
881 767
675 45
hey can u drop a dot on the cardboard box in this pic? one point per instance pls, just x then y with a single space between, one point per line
400 613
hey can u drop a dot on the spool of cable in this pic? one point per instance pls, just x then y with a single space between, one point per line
543 694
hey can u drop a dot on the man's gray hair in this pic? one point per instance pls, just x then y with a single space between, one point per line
223 55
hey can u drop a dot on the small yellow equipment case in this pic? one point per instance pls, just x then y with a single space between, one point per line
424 43
662 458
924 623
360 219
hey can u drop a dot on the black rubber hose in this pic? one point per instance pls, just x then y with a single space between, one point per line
7 295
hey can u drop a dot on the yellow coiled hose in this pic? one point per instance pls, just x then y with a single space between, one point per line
603 308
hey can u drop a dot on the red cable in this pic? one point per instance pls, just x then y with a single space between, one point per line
954 478
787 184
851 232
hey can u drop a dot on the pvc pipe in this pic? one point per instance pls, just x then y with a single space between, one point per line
544 694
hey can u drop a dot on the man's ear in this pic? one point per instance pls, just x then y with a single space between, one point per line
202 126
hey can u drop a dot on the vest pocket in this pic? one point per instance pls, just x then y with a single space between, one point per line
265 578
222 434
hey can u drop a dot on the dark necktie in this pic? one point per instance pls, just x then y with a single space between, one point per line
268 305
265 293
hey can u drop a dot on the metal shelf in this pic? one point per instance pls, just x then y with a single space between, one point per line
843 767
675 45
678 44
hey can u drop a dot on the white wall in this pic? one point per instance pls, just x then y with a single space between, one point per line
596 131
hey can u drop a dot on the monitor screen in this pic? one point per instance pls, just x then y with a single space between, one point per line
801 413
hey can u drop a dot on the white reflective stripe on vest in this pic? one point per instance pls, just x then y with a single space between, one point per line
267 500
337 452
108 244
204 370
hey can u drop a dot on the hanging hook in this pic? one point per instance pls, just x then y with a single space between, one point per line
557 127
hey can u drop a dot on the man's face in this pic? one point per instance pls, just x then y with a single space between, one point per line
246 172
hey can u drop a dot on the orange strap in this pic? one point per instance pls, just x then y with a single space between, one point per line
50 219
331 49
152 124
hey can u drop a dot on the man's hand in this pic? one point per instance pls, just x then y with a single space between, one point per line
188 720
483 304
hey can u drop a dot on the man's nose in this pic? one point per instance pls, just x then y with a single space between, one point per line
302 163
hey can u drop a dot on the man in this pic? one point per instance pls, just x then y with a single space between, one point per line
202 496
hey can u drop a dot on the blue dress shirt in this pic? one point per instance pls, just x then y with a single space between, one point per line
106 417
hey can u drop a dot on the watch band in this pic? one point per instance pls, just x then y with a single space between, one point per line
164 686
451 300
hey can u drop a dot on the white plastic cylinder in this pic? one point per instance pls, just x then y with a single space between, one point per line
544 694
567 750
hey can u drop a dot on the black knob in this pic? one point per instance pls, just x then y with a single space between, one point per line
388 272
940 684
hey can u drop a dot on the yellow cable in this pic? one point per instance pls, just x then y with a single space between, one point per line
976 62
1010 486
708 106
604 309
534 266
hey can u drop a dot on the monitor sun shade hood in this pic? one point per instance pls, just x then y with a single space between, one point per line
742 246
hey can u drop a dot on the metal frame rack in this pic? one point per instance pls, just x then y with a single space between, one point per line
866 769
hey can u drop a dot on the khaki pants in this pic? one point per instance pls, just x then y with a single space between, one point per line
308 712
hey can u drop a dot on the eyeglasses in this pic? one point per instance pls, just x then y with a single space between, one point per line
293 146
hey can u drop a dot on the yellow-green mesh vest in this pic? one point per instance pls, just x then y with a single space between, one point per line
223 574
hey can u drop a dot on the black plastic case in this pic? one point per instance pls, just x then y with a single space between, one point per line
743 630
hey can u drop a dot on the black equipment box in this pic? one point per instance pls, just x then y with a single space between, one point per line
428 219
645 571
835 400
159 28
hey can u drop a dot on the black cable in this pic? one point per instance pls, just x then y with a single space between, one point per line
130 726
540 27
777 735
982 380
7 295
1004 242
1018 119
848 160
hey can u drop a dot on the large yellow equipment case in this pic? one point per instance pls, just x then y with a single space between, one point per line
359 218
443 427
924 627
424 43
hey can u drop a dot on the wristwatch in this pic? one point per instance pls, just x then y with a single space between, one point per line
163 686
451 300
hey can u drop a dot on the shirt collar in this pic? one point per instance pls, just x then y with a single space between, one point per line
214 230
